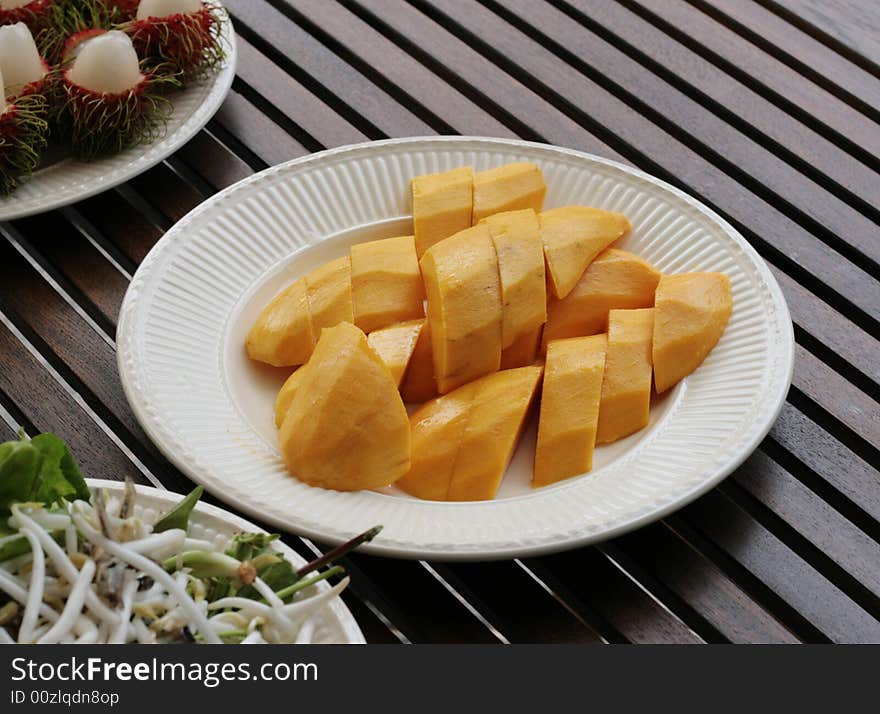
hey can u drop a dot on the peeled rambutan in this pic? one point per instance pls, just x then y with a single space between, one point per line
23 136
181 35
33 13
108 103
24 70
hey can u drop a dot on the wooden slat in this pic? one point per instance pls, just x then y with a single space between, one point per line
763 554
349 93
769 76
399 69
800 51
602 592
696 589
838 22
737 103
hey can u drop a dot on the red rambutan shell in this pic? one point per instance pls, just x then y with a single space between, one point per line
77 38
188 41
35 15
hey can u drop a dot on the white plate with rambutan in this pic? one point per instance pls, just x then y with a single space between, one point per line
95 92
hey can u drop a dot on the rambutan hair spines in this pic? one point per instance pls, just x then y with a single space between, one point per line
188 41
108 103
24 134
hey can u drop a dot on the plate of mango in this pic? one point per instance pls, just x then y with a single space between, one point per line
493 348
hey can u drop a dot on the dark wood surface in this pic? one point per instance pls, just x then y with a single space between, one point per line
766 110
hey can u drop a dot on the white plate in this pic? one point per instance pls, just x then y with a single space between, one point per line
182 360
333 625
71 180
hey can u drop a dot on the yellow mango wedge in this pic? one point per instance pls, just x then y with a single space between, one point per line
615 280
569 413
285 396
282 335
386 283
442 206
437 429
346 428
517 239
329 294
524 350
508 188
464 307
495 420
626 385
692 310
418 383
395 345
573 236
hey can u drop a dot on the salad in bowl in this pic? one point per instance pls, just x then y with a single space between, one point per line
81 565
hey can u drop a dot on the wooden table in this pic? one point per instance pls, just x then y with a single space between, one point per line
767 111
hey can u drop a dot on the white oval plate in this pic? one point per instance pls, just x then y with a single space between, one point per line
333 625
183 366
70 180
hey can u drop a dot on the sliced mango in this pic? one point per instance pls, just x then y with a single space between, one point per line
386 283
615 280
346 427
395 345
508 188
517 239
282 335
437 429
524 350
442 205
418 383
464 307
495 419
626 386
285 395
329 294
692 310
573 236
569 408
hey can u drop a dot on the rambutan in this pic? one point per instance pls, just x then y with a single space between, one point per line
182 35
24 70
33 13
23 136
108 103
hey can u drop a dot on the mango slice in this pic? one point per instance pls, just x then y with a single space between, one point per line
615 280
569 408
524 350
418 383
285 396
282 334
692 310
464 307
395 346
386 283
346 428
329 294
437 429
517 239
626 386
442 205
495 420
508 188
573 236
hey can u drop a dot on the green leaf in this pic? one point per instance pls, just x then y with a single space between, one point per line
247 546
59 476
178 517
20 464
277 576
